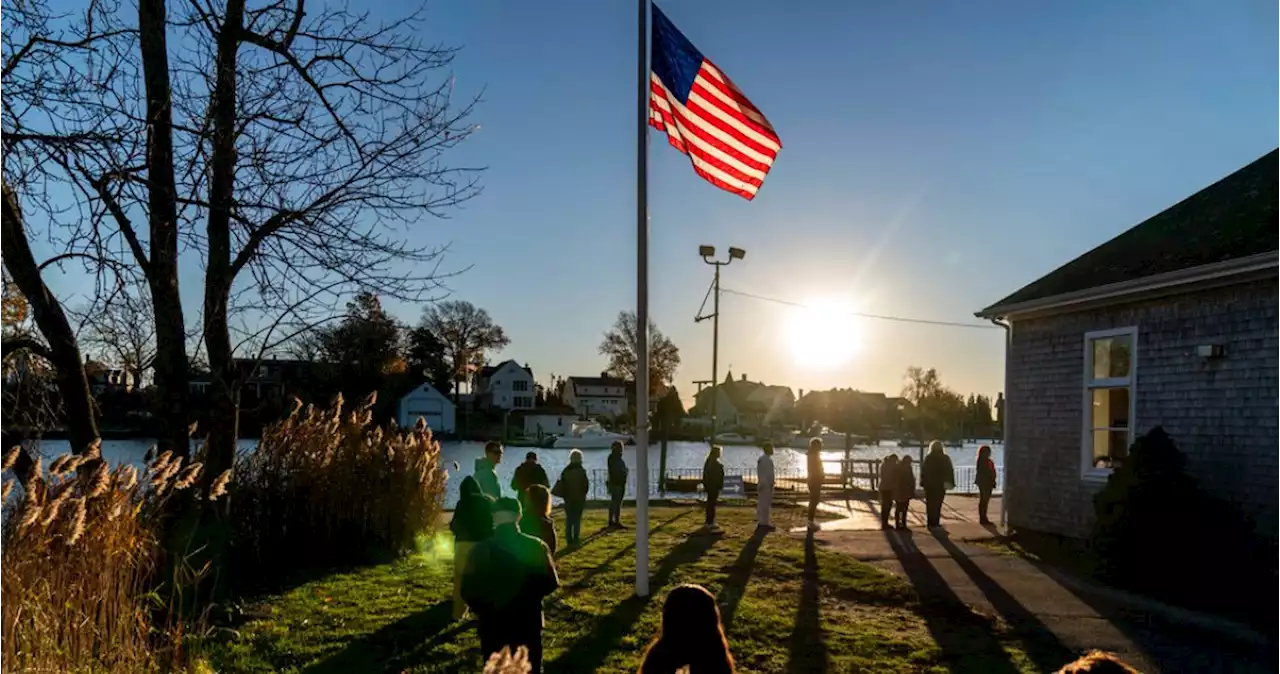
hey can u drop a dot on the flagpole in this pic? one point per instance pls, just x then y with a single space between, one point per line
642 303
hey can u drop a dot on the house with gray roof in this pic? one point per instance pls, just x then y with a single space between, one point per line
1172 323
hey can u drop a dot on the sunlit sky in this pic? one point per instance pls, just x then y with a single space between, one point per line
936 156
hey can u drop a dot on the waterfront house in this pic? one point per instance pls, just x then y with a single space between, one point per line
596 396
104 379
548 421
430 404
505 386
742 403
1172 323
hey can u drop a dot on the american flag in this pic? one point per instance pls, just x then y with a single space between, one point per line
705 116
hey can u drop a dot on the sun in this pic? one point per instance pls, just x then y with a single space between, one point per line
823 333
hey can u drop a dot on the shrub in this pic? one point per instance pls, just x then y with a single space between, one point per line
80 555
1156 531
328 487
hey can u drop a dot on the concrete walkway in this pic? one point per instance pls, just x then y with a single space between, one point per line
1054 615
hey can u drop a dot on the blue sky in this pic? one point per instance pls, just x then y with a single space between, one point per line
936 156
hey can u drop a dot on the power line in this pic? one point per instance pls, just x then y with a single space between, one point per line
900 319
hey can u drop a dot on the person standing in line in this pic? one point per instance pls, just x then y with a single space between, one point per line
573 486
691 637
985 480
888 474
536 518
936 476
472 522
505 581
617 484
528 474
486 470
817 475
713 482
904 489
764 486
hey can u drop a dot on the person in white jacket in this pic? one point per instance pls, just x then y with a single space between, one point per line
764 491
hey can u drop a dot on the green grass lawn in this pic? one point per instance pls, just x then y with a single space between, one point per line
788 604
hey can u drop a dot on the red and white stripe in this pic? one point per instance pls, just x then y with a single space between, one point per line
729 142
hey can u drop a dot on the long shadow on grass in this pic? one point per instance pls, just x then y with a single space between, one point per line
588 653
739 575
585 579
376 651
1042 645
968 641
808 652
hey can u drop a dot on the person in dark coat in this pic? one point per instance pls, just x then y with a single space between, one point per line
888 474
713 482
691 636
985 480
505 581
528 474
573 486
536 520
617 484
472 522
817 475
936 476
904 489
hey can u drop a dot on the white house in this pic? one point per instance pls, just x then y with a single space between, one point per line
505 386
430 404
548 423
591 396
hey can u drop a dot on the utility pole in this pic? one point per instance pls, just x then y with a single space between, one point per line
708 252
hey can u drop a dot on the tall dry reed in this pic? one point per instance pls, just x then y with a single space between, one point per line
327 486
80 554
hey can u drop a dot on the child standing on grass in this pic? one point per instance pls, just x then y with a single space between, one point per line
617 484
691 637
536 521
472 522
505 581
904 490
888 477
764 486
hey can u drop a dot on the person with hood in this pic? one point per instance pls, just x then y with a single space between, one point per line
472 522
505 581
817 475
617 484
486 470
985 480
713 482
904 489
936 476
528 474
573 486
691 637
536 520
888 473
764 486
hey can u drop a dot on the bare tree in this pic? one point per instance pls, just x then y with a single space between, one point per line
467 333
291 147
619 344
123 329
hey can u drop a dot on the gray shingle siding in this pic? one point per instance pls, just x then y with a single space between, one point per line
1221 412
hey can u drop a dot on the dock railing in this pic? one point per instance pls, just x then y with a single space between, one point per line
852 474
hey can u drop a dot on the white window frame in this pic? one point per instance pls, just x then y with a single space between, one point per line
1088 384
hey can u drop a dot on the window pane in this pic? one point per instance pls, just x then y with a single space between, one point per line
1110 447
1110 407
1111 356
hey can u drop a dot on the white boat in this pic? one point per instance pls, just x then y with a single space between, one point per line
830 439
589 435
733 439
